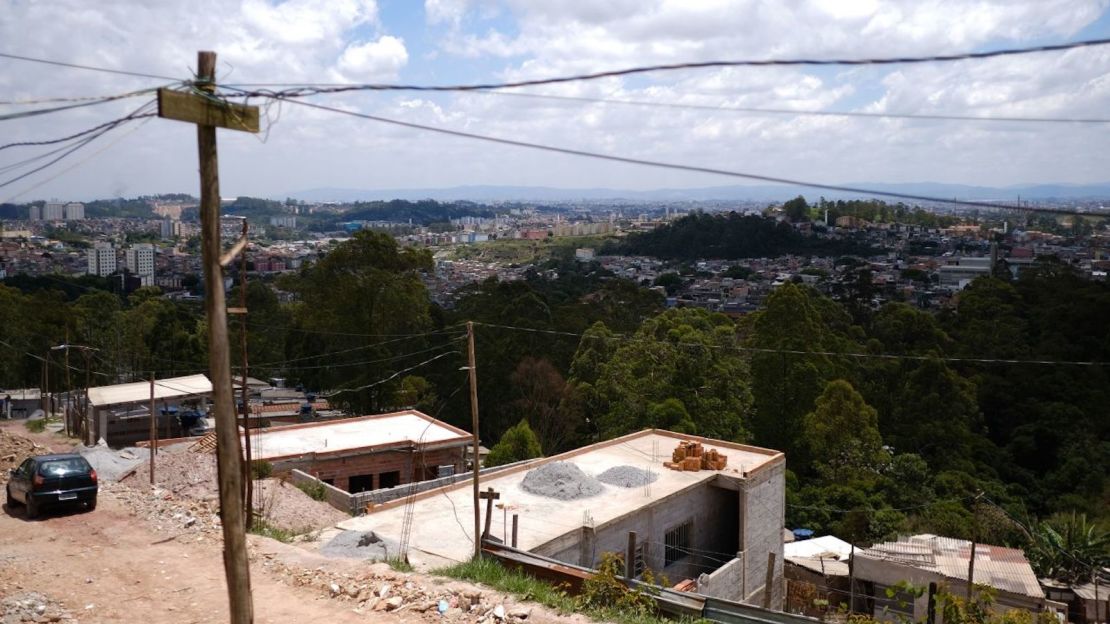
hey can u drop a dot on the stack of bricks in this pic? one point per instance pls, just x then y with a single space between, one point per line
691 457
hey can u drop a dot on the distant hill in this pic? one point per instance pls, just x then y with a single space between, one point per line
1037 192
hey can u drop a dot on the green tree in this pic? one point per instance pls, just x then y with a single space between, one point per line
843 434
349 303
681 367
788 370
796 209
1069 548
517 444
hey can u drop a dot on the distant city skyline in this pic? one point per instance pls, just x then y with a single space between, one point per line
461 41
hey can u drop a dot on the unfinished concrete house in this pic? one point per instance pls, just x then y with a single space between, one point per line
368 452
712 514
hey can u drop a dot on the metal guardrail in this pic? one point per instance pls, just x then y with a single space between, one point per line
668 601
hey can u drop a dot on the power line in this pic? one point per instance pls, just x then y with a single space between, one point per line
788 111
391 377
79 144
778 351
682 167
122 72
55 109
903 60
106 124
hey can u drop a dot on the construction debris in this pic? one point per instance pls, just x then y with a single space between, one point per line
32 606
377 589
111 464
691 457
13 450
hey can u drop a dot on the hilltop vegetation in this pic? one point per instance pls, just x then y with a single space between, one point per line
731 236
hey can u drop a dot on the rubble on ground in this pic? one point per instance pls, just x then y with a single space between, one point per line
380 588
360 545
13 450
32 606
112 464
167 512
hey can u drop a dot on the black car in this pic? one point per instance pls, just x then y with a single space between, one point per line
47 480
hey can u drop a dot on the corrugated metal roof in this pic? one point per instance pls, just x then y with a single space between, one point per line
172 388
827 546
996 566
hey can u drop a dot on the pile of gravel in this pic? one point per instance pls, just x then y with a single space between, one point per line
561 480
360 545
110 464
627 476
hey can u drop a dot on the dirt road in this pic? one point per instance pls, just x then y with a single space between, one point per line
105 566
120 563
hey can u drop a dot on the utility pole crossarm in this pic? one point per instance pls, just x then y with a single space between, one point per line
206 110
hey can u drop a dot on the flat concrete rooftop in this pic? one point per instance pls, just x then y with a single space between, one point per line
443 519
405 428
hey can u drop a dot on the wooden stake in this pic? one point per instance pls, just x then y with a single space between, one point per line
768 585
516 524
228 455
474 440
153 429
489 496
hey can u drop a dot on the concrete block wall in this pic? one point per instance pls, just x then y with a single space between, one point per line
725 582
335 497
707 507
763 514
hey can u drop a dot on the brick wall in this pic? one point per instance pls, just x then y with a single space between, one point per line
763 500
408 464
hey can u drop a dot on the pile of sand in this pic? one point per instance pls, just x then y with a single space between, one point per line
561 480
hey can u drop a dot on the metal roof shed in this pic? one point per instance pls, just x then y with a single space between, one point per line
104 399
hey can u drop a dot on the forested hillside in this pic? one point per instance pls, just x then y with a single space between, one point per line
892 421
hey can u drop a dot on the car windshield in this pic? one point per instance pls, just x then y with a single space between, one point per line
58 467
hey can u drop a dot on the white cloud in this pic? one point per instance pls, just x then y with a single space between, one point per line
379 59
346 40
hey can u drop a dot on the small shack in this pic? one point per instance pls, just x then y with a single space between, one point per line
120 413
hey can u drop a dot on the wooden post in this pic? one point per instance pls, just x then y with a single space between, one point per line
630 558
768 585
852 579
474 439
516 524
153 429
970 573
489 496
249 493
228 455
69 387
46 374
931 614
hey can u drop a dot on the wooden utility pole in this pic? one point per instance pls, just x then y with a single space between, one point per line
207 113
474 441
153 429
69 387
241 311
971 557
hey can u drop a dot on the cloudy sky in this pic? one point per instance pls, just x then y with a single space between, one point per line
461 41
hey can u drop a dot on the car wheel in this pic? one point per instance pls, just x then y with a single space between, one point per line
8 495
92 504
32 508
